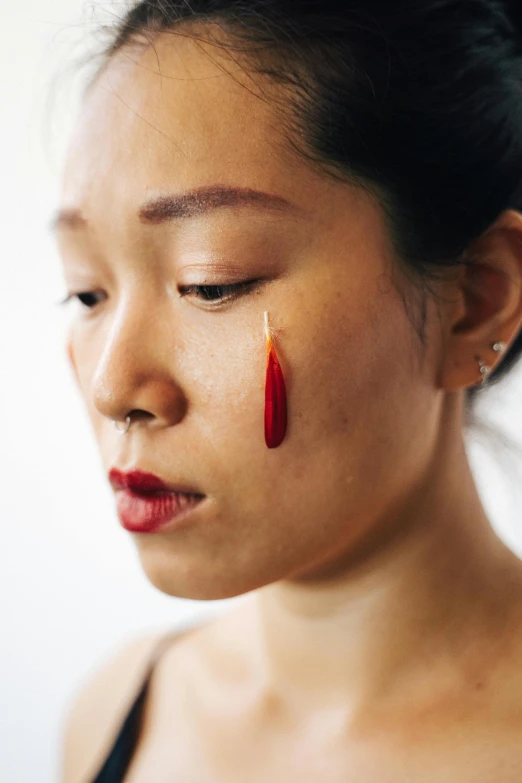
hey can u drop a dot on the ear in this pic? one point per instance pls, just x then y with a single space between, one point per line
487 309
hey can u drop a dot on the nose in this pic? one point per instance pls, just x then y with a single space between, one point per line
136 373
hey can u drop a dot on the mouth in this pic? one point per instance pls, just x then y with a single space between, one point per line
150 512
148 483
146 503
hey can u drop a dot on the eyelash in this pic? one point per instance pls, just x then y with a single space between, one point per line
69 297
235 290
225 293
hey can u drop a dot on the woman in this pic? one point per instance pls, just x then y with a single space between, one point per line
295 233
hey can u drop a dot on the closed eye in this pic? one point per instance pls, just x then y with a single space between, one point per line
219 293
208 293
85 297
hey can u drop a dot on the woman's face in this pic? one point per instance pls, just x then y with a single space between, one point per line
363 409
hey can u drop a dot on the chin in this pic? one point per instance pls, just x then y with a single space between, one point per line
182 577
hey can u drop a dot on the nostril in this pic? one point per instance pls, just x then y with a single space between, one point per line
137 415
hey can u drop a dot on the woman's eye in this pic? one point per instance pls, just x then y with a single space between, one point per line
209 293
85 297
218 293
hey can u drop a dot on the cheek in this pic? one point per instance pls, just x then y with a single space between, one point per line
357 363
358 416
226 392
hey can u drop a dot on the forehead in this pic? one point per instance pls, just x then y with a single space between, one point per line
177 112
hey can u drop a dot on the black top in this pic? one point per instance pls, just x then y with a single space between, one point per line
118 760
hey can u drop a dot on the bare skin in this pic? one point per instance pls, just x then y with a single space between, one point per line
381 636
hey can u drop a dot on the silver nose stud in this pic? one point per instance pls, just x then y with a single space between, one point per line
127 425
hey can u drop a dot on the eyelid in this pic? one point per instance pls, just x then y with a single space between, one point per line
75 295
236 290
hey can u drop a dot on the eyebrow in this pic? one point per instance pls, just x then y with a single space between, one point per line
190 204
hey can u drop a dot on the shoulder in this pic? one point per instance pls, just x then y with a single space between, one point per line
99 706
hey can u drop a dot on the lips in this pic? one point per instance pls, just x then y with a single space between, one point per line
149 513
147 483
145 503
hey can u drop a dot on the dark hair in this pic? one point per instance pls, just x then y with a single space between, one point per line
419 101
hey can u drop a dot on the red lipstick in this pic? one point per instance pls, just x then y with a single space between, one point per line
145 503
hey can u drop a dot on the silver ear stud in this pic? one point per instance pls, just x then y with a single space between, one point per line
483 367
499 347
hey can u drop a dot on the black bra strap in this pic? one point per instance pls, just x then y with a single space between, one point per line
118 760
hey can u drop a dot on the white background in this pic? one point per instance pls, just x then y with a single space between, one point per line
70 582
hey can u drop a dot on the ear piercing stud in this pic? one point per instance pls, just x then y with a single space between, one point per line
484 369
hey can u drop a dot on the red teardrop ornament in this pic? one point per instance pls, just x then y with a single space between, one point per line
275 401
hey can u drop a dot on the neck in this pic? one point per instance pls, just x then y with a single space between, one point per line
428 601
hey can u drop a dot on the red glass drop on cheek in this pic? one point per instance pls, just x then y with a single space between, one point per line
275 402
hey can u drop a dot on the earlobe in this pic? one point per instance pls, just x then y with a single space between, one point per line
489 315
